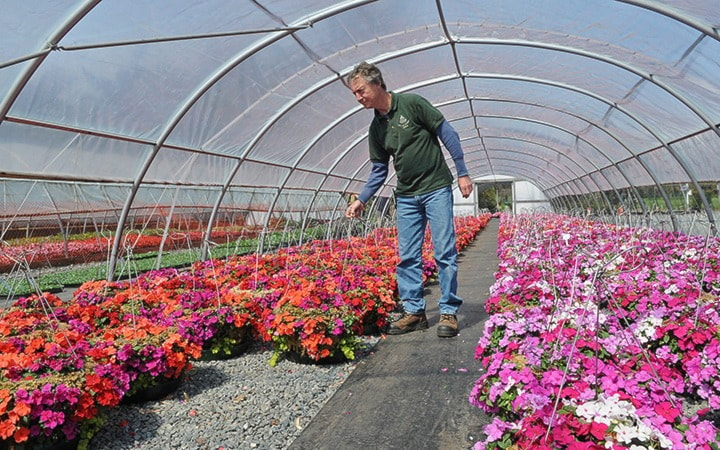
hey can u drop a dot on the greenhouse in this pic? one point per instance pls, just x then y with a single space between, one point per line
175 184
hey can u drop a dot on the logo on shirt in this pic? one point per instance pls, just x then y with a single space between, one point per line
403 122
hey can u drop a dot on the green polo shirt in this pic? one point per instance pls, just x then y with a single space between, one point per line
407 134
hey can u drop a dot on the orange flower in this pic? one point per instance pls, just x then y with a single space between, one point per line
4 400
99 354
8 360
86 408
35 344
103 388
22 409
132 333
7 428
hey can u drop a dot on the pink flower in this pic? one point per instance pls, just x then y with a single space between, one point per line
52 419
702 433
598 430
496 429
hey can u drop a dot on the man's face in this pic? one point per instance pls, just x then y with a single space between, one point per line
369 95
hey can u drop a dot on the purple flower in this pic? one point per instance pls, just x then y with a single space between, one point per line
126 352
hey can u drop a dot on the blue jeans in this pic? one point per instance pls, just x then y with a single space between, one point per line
413 214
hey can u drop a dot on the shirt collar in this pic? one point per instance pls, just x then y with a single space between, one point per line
393 107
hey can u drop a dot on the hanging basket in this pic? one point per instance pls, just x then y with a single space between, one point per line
300 358
56 444
297 354
160 388
229 343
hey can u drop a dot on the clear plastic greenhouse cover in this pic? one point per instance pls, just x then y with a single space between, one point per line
115 113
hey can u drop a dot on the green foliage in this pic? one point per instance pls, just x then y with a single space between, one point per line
487 200
90 428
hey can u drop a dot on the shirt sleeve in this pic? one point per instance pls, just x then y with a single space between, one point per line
451 140
377 177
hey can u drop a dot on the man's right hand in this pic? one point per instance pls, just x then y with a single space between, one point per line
354 209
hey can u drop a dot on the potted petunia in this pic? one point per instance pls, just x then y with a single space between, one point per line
155 357
221 332
55 382
311 323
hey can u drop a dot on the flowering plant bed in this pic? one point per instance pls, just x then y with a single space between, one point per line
63 363
314 324
600 337
54 250
140 251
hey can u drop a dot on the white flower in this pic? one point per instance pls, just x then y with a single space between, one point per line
626 433
646 329
605 410
509 383
628 427
672 289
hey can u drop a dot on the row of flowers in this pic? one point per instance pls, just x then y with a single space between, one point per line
600 337
37 254
63 363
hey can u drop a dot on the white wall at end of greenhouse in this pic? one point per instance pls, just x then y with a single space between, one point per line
527 198
531 207
464 210
464 206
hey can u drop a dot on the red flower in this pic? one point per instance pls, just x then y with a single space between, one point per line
598 430
667 410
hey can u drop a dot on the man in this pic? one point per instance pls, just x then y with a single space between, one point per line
406 128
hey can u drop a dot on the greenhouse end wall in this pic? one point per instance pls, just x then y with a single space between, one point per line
528 198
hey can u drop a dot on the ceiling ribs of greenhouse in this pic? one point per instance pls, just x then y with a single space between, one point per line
213 104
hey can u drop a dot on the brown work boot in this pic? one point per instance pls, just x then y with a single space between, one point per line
448 326
407 323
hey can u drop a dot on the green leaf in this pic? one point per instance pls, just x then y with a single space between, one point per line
506 442
274 358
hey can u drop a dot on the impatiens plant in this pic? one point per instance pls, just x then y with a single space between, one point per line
312 319
599 337
55 380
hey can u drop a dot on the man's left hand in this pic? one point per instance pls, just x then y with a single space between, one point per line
465 185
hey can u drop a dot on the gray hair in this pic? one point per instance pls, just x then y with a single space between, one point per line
368 72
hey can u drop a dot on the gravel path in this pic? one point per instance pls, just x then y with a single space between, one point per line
240 403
